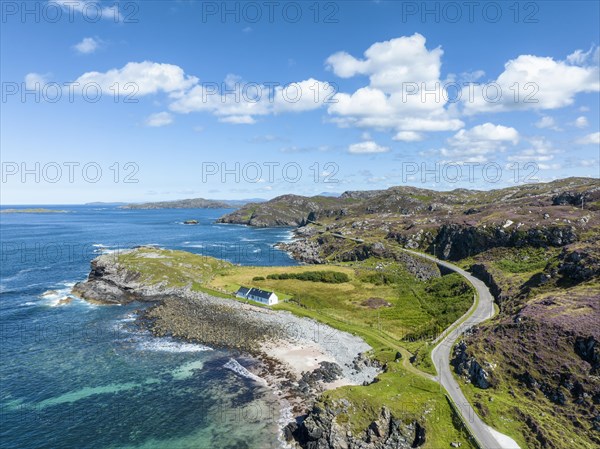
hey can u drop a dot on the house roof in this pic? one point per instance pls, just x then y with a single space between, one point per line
260 293
242 291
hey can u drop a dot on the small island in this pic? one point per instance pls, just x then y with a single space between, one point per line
32 211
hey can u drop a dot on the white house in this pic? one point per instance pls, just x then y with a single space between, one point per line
258 295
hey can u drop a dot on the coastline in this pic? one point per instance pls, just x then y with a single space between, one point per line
297 358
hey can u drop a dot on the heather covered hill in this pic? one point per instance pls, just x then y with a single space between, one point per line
294 210
533 371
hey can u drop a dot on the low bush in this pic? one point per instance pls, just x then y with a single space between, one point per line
329 277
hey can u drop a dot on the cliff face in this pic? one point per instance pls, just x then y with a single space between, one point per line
321 430
455 242
107 283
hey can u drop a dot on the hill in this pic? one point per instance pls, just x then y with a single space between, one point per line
192 203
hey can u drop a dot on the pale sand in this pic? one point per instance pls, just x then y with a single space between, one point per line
300 358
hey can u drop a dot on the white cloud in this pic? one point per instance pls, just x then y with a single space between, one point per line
547 122
35 81
399 71
87 45
408 136
238 119
540 151
543 83
368 147
477 143
241 102
581 122
159 119
590 139
146 77
305 95
579 57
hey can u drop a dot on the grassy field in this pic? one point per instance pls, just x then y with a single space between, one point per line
412 313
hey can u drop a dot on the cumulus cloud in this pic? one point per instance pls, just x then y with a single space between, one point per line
542 83
547 122
404 91
145 77
590 139
87 46
477 143
159 119
368 147
408 136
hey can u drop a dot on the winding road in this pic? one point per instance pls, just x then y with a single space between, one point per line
482 309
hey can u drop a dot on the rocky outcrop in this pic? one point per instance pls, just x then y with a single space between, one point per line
468 367
455 241
287 210
419 267
322 428
480 271
308 249
111 283
588 348
577 198
579 264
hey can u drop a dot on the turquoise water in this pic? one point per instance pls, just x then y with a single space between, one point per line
75 375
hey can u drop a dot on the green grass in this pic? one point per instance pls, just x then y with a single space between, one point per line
524 260
409 398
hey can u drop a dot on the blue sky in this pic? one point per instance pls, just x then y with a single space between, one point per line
370 60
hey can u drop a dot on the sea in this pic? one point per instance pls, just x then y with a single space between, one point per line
77 375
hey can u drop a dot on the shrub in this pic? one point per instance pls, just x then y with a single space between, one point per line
329 277
258 278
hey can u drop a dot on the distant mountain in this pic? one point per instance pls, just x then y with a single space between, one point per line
192 203
330 194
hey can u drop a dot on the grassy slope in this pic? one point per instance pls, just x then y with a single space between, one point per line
402 388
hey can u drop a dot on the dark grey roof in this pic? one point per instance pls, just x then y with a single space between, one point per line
242 291
260 293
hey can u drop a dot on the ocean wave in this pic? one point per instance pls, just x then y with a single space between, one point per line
18 274
166 344
234 366
58 297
